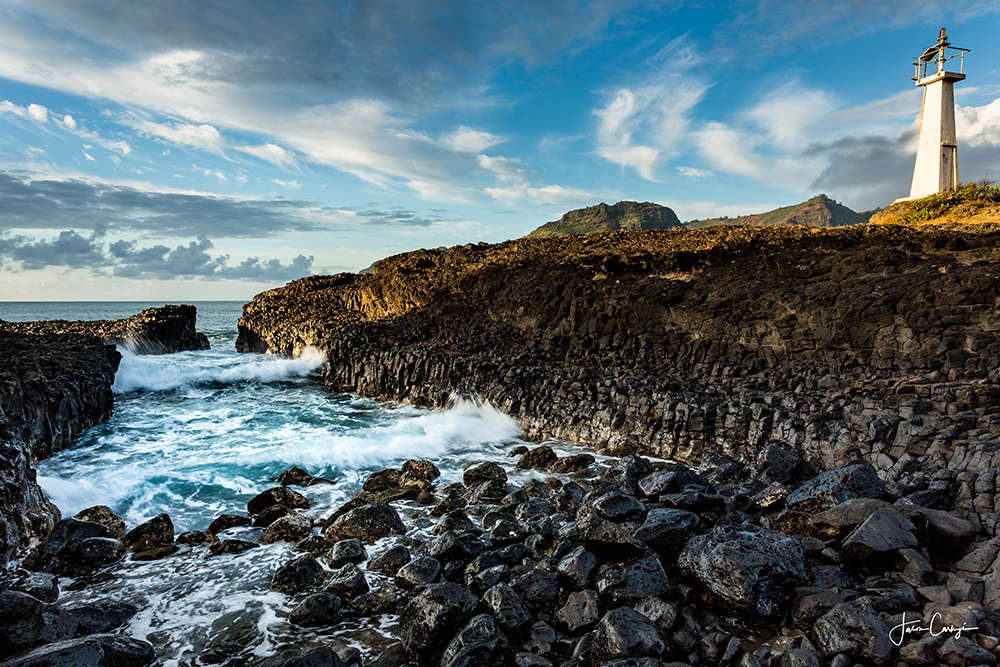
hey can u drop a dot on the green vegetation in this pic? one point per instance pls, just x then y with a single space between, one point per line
601 218
935 205
820 211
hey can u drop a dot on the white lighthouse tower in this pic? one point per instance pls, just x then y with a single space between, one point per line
936 168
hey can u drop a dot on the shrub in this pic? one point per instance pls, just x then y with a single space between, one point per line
933 206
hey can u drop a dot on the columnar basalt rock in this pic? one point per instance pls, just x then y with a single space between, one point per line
873 342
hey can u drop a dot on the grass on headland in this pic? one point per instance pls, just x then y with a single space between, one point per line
934 206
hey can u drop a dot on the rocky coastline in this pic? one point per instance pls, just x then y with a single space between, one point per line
871 342
55 382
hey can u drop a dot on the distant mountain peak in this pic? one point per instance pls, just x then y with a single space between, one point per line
820 211
602 217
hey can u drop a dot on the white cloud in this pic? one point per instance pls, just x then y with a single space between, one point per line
204 137
89 156
38 112
789 115
291 185
69 122
468 140
694 172
979 126
269 153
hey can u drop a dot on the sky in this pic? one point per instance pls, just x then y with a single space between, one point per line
212 149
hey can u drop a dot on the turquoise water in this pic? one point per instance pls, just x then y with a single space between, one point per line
198 434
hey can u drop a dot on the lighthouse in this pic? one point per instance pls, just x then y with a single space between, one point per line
936 168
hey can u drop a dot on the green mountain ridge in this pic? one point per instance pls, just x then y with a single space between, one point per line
628 215
820 211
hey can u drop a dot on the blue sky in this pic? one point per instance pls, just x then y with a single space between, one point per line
199 149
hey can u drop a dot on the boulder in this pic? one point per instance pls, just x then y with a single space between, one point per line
104 516
279 495
298 575
98 551
367 523
156 532
479 644
196 538
508 608
317 610
344 552
421 468
316 656
539 588
380 600
230 547
626 472
428 623
291 528
124 651
102 616
57 552
625 633
630 582
672 479
854 629
582 610
483 472
668 530
269 515
294 476
856 479
418 572
390 561
616 506
885 531
568 464
382 480
347 582
227 521
314 544
752 569
83 652
41 585
537 459
576 567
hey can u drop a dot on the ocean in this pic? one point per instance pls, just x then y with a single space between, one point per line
198 434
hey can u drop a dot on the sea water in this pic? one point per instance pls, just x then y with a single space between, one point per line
198 434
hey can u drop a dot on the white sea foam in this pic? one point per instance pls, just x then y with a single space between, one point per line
185 369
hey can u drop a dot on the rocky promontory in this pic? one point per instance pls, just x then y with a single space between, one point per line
161 330
874 342
55 382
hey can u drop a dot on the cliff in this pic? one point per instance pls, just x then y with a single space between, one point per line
55 382
820 211
627 215
873 341
160 330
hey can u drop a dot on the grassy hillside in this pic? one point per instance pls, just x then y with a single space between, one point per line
820 211
628 215
970 202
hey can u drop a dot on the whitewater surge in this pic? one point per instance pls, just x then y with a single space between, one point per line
171 371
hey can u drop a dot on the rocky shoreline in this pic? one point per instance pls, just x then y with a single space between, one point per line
55 382
628 563
876 342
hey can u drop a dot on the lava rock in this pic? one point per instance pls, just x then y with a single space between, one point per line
230 547
104 516
752 569
582 610
668 530
367 523
98 551
418 572
854 629
539 588
317 610
269 515
102 616
390 561
291 528
55 554
478 644
347 582
41 585
279 495
298 575
616 506
960 651
156 532
626 472
421 468
124 651
377 601
625 633
672 479
429 621
483 472
294 476
630 582
227 521
856 479
508 608
569 464
314 544
576 567
196 538
537 459
382 480
316 656
886 530
84 652
344 552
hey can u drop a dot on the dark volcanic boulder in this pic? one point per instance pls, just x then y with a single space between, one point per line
344 552
537 459
625 633
291 528
103 515
854 629
856 479
279 495
102 616
483 472
418 572
630 582
390 561
882 533
508 608
377 601
124 651
298 575
316 656
571 463
57 552
626 472
421 468
347 582
668 530
317 610
227 521
431 619
367 524
98 551
478 644
230 547
41 585
582 609
539 588
157 532
295 476
750 568
84 652
576 567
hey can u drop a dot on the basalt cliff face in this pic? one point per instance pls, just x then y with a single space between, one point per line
875 342
160 330
55 382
